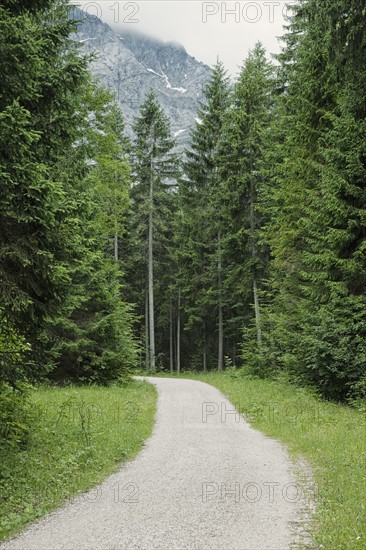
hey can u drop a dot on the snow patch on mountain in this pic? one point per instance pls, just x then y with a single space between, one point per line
168 85
176 134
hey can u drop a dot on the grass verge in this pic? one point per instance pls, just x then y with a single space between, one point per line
331 437
79 436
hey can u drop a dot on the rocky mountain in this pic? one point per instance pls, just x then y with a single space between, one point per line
130 64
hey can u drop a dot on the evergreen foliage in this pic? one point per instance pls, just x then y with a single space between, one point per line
244 178
317 226
60 287
91 338
201 229
155 168
254 254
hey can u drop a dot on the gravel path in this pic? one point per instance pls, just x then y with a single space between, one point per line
204 481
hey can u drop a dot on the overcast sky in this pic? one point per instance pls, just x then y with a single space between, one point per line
205 29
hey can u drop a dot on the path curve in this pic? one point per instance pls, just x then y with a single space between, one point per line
205 480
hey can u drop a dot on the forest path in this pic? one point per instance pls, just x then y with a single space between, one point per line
205 480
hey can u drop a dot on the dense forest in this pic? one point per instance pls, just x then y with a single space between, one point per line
248 251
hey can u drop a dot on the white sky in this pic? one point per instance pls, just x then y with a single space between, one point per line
205 29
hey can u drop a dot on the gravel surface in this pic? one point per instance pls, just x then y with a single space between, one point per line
205 480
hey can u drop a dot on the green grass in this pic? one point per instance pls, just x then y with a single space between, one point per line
81 435
78 437
331 437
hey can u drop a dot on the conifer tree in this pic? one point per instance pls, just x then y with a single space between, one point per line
201 272
91 337
243 173
155 167
60 293
42 78
316 230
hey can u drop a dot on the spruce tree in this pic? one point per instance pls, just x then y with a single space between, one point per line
43 76
63 197
91 337
155 167
245 138
316 229
201 229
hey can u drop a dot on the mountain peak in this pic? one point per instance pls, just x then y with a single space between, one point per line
135 35
130 64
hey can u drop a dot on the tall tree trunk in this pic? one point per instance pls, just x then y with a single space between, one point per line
175 354
255 283
171 337
257 313
220 361
178 332
151 271
204 346
116 255
147 350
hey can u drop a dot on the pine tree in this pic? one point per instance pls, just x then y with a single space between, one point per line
155 168
242 170
39 117
60 290
91 338
112 171
335 253
316 231
200 233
